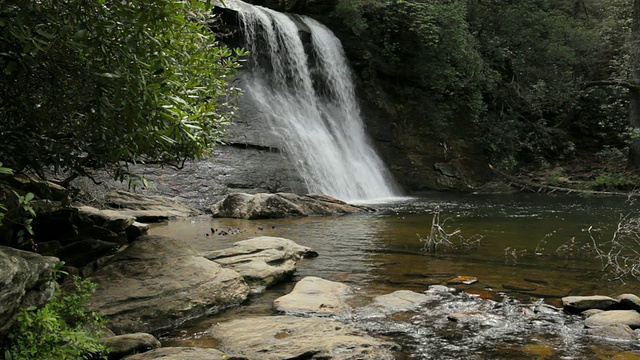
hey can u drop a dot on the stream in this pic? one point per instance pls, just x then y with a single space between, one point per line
532 252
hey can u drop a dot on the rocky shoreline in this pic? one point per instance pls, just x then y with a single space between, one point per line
149 284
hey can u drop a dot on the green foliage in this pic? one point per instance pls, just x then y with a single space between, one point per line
16 212
93 84
427 48
612 181
64 329
538 52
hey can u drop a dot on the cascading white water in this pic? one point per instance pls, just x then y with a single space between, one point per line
320 125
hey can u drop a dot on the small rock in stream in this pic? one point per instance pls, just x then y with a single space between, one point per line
629 301
313 295
630 318
466 280
578 304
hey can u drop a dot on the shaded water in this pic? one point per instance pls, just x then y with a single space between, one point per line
308 98
381 252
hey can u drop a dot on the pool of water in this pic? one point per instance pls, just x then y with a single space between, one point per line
533 250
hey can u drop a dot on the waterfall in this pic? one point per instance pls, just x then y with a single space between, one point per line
309 101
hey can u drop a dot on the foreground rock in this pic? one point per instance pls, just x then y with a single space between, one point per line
158 282
25 280
286 337
281 205
313 295
183 353
123 345
630 318
262 261
578 304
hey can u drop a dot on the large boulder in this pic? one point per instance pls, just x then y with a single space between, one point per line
262 261
183 353
313 295
25 280
287 337
281 205
158 282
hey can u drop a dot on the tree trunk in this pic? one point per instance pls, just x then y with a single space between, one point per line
634 94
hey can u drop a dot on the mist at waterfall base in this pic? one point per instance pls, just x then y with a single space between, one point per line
308 99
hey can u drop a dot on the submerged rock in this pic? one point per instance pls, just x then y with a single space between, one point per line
613 331
466 280
313 295
281 205
262 261
158 282
630 318
578 304
25 280
122 345
397 301
183 353
287 337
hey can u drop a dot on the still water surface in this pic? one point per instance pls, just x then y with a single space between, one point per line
381 252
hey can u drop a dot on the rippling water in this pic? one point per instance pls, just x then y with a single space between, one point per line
381 252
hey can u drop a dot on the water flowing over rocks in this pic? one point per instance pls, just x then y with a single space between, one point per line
397 301
281 205
287 337
262 261
183 353
25 280
158 282
315 296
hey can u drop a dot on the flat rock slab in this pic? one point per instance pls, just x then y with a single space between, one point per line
313 295
630 318
397 301
262 261
158 282
121 199
287 337
578 304
281 205
25 280
108 219
184 353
